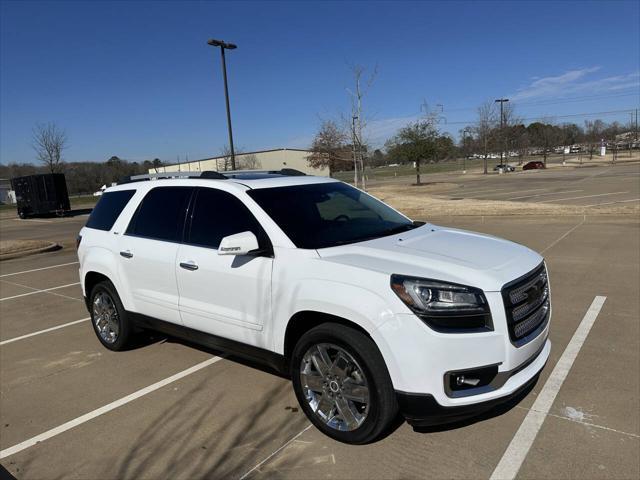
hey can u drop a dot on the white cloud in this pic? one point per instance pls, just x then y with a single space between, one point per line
575 82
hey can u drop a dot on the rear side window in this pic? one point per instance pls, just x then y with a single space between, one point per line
161 214
217 214
108 209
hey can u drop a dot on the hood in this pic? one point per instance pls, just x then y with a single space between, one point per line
441 253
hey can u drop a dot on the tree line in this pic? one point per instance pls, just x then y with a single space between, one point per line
494 132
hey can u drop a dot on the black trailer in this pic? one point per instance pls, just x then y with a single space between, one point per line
41 194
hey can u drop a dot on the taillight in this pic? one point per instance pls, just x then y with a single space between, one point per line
78 240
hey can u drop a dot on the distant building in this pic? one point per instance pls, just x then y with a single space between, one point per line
261 160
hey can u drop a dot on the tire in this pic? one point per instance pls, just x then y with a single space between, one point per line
357 384
109 318
21 214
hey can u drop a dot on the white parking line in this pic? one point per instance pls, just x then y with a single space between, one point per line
584 196
39 291
517 451
478 190
611 203
37 269
39 332
292 439
105 409
564 235
507 193
543 194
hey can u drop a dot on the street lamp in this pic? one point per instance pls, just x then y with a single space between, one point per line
226 46
501 102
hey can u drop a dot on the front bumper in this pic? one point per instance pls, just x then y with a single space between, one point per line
422 410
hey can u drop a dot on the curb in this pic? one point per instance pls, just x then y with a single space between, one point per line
49 248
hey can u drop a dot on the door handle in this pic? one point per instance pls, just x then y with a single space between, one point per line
190 265
126 254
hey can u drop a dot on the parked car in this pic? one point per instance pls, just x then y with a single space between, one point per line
368 312
535 165
505 168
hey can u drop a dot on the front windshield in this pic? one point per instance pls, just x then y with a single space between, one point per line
328 214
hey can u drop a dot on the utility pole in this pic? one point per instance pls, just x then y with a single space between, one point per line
226 46
501 102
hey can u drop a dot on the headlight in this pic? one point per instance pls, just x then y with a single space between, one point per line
445 307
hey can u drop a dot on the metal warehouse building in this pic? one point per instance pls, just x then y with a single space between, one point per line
261 160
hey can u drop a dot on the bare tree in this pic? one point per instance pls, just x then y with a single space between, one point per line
250 162
49 142
225 158
485 127
358 122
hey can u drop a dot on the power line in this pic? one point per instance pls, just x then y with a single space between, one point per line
539 117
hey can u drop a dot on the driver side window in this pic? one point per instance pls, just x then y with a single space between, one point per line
217 214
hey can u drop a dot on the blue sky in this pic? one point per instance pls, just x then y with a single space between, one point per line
137 80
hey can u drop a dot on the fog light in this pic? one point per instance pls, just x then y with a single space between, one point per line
461 380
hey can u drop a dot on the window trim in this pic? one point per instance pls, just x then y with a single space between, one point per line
186 237
183 216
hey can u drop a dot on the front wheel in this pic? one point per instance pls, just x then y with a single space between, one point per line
342 384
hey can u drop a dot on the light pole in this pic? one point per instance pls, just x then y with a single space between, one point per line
501 102
226 46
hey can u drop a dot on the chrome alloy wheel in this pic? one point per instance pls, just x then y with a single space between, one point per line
334 386
105 317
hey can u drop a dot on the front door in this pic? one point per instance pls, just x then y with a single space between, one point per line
225 295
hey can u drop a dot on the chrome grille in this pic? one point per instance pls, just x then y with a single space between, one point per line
527 305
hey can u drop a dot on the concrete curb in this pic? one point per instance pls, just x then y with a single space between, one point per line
48 248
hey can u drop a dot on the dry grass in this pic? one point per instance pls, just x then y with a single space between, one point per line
16 246
417 202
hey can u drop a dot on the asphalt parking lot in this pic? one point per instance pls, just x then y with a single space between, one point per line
71 409
587 186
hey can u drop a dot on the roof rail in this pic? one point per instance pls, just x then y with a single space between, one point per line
208 174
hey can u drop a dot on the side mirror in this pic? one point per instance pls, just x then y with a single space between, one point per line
239 244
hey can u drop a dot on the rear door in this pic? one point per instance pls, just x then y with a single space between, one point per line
225 295
148 249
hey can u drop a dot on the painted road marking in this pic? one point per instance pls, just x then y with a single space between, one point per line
105 409
508 193
564 235
39 291
611 203
543 194
517 451
584 196
273 454
39 332
38 269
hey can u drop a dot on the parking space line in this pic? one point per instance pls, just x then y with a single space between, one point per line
45 290
543 194
273 454
508 193
611 203
517 451
105 409
564 235
584 196
46 330
35 290
37 269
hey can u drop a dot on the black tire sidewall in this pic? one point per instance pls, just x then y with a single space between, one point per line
125 331
366 353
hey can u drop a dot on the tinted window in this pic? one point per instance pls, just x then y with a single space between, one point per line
329 214
108 209
218 214
161 214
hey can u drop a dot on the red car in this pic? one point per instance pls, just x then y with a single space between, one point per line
533 165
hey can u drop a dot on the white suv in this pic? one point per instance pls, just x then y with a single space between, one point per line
370 313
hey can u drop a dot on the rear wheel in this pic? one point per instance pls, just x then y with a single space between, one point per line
342 384
108 317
